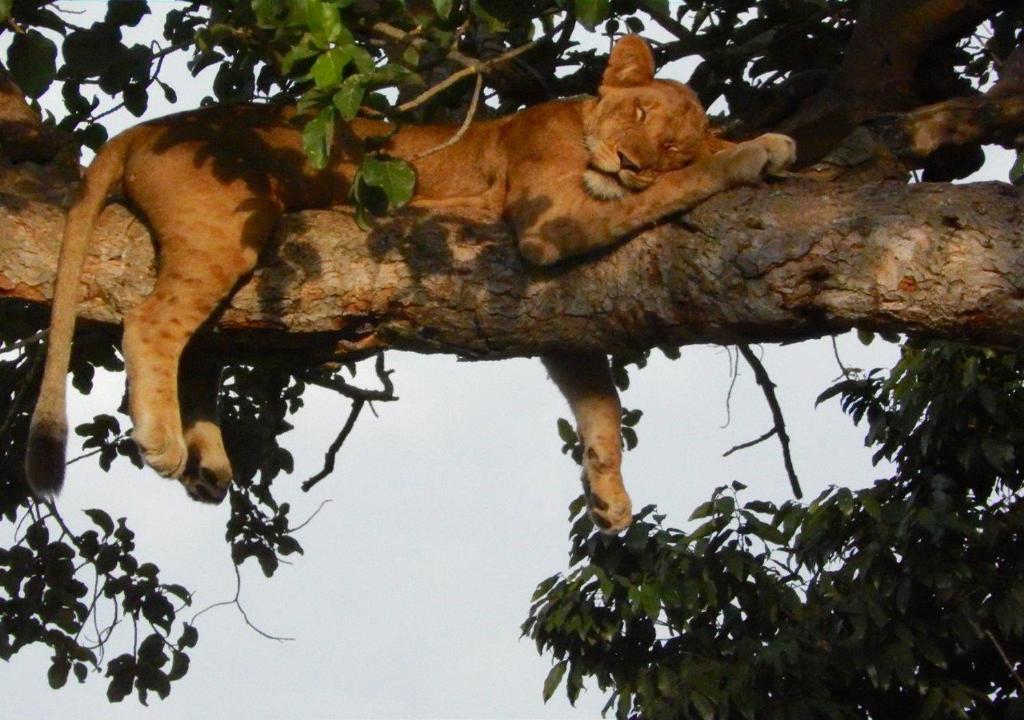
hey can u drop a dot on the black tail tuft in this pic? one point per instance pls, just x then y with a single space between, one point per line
45 458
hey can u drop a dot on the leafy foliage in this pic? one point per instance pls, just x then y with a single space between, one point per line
58 581
905 597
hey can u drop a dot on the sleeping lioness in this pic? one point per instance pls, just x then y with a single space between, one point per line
569 176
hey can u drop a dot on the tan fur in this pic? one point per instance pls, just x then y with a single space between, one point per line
569 176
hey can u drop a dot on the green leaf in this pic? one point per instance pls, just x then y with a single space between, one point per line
127 12
705 509
120 685
1017 171
267 12
101 519
395 177
443 8
37 535
57 675
32 61
303 50
592 12
5 10
577 505
189 637
999 454
136 99
629 437
650 601
179 666
286 545
871 506
660 6
350 97
151 649
324 22
704 706
566 432
179 591
317 137
92 51
327 69
553 679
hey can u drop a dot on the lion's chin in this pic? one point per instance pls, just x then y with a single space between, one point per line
603 186
612 186
633 180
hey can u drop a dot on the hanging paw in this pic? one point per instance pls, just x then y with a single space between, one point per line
609 504
207 474
611 514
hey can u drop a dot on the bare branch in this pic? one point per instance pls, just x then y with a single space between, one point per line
476 69
750 443
470 114
332 451
236 601
791 261
768 388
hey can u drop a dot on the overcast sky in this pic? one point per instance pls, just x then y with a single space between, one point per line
446 511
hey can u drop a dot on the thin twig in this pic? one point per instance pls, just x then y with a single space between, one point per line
476 69
750 443
734 373
238 604
470 114
835 352
308 520
668 23
332 451
83 456
338 385
26 341
768 388
999 649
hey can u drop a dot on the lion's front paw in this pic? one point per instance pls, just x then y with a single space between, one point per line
753 160
781 150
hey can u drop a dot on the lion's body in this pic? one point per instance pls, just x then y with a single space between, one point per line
569 176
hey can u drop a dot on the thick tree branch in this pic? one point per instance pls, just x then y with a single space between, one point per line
879 73
783 262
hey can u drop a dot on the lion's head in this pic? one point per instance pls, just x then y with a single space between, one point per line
639 127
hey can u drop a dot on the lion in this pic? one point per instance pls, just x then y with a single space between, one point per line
569 176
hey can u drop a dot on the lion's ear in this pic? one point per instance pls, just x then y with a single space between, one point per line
631 63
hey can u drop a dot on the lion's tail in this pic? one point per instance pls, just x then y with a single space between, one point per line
45 454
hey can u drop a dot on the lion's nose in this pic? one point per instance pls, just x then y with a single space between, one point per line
626 162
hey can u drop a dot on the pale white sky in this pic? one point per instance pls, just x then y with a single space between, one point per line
446 511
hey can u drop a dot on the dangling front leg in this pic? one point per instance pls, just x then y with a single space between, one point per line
586 381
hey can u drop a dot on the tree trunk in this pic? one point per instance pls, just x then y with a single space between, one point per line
786 261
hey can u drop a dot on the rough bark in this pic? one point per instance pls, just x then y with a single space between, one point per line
782 262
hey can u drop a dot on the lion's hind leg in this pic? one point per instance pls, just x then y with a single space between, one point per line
204 252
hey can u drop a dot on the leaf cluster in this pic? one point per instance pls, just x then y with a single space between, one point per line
905 597
82 592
